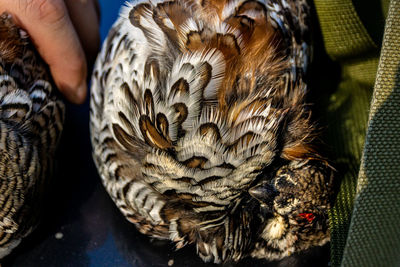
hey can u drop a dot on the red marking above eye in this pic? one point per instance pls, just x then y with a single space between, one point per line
308 216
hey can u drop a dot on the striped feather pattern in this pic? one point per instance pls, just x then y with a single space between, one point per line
194 103
31 122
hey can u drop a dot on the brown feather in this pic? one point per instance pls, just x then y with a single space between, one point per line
11 44
152 136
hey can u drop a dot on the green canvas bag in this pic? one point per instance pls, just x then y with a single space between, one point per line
359 101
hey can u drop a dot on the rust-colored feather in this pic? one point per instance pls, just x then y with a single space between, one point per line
11 45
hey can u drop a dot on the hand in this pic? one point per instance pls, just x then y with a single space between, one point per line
63 32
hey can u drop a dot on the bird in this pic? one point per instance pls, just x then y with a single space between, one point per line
31 122
200 128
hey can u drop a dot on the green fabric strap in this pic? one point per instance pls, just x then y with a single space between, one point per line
374 236
348 43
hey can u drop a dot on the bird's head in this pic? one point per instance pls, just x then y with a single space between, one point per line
297 199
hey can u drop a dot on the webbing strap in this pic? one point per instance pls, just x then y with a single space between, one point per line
348 42
374 236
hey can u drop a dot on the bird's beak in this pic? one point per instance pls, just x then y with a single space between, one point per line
264 192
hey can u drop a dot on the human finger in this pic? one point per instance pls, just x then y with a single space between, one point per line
85 17
52 32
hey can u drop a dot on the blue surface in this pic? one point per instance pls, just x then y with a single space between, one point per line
101 256
109 13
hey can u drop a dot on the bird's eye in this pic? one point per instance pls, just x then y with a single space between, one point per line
308 216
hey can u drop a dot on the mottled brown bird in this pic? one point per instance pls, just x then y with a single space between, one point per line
31 121
200 130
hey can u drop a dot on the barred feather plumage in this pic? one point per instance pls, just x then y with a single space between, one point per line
31 122
197 109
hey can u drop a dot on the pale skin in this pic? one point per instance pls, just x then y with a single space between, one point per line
66 34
